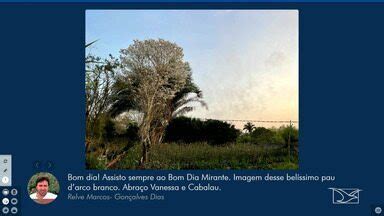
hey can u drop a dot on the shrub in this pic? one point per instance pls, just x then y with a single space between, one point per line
93 161
264 136
132 132
293 133
244 138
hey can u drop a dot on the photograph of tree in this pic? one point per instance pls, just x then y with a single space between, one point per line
191 89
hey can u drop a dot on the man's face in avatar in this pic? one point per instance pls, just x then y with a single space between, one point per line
42 188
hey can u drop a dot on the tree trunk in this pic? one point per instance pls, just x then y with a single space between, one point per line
87 145
145 155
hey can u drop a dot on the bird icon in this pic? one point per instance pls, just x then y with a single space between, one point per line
345 195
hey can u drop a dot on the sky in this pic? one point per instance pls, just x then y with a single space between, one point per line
244 61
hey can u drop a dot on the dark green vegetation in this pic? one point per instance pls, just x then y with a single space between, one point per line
190 130
134 118
205 156
224 148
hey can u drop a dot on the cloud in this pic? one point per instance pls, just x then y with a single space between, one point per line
276 59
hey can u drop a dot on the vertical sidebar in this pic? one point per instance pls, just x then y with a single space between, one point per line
5 170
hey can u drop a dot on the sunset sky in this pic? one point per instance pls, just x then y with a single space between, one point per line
244 61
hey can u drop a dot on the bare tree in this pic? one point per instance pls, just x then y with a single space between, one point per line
156 71
99 79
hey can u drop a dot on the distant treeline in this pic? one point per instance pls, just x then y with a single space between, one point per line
283 135
214 132
189 130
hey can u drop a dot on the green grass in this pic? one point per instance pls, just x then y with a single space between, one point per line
203 156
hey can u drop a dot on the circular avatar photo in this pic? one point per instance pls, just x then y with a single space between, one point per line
43 188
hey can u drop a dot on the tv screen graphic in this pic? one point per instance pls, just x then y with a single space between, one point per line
191 108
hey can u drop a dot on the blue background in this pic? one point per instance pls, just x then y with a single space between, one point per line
340 93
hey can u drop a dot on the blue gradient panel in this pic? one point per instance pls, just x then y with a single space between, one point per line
340 93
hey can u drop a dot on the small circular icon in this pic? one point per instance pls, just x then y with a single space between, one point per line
5 192
378 210
5 210
5 180
43 188
14 201
14 210
14 192
5 161
5 201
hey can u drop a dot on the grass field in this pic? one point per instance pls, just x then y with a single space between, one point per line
203 156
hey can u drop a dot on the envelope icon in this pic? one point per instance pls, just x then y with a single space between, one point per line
345 195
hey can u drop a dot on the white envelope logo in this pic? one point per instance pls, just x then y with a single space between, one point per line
345 195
